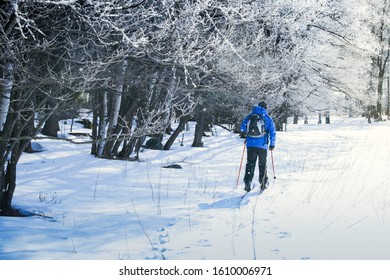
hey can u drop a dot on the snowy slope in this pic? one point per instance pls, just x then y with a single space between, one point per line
330 200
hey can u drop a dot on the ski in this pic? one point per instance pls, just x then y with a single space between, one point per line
244 195
246 192
253 187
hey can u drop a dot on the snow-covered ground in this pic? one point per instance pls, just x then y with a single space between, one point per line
330 200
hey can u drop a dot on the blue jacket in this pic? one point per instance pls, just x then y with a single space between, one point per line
269 138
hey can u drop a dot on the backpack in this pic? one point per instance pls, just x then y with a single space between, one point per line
256 126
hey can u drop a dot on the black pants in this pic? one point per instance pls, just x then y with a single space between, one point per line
252 155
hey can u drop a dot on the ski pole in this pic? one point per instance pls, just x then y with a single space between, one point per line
242 158
273 165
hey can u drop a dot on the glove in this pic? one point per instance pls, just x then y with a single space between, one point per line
271 147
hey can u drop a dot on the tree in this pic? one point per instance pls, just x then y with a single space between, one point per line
380 24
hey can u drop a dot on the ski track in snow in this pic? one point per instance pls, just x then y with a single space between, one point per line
330 200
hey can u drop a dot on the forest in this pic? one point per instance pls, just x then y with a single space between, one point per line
141 65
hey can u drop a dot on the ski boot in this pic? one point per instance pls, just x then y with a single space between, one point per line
248 186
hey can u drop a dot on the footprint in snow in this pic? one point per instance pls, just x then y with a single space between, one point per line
164 238
164 235
205 243
283 234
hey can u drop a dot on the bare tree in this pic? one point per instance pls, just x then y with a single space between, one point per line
380 25
40 75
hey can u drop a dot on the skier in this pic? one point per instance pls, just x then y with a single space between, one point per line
257 146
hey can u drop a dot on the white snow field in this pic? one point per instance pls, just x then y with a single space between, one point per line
330 200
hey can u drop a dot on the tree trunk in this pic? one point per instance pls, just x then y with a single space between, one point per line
8 179
199 130
114 115
5 93
18 130
327 118
123 130
381 62
117 98
95 112
8 185
180 128
388 98
51 126
296 116
380 94
138 146
103 115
